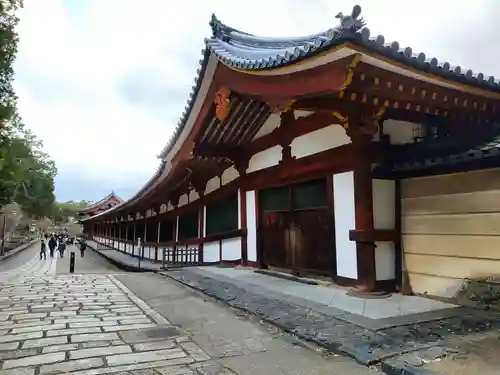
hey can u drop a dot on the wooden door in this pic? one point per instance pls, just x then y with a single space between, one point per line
312 218
297 227
274 208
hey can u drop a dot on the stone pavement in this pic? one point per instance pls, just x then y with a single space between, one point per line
17 250
90 263
90 324
32 265
367 346
87 324
241 343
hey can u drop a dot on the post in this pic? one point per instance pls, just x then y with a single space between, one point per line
361 131
135 234
72 262
145 234
158 229
139 247
4 223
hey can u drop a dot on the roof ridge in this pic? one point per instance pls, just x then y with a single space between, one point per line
241 50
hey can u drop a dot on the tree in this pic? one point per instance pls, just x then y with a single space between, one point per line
9 121
65 210
8 50
36 174
26 173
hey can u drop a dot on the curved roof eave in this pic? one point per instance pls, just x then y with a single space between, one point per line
101 202
197 97
244 51
103 212
146 188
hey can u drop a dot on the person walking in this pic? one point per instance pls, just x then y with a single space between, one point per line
52 246
61 248
83 246
43 250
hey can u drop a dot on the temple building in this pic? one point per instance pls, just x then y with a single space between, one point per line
338 154
109 201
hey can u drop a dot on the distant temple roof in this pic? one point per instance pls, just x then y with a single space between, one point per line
110 200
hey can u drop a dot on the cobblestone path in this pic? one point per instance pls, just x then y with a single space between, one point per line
33 267
87 324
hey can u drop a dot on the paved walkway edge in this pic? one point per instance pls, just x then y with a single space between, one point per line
17 250
121 265
397 367
389 366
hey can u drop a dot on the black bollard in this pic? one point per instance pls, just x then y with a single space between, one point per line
72 262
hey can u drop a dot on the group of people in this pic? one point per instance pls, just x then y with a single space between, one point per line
57 241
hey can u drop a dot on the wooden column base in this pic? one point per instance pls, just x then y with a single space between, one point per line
362 293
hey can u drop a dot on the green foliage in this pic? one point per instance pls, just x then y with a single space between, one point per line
65 210
26 173
8 51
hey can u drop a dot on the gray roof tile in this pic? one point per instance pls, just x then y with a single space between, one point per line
241 50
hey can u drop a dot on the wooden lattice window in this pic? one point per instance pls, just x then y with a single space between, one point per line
188 226
222 216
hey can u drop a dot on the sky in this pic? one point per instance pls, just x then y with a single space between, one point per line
103 82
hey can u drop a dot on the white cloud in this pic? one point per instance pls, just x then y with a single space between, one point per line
83 81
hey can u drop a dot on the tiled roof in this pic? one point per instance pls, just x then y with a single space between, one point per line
245 51
249 52
103 200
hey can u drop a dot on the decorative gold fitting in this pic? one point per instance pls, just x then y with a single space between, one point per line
342 119
350 71
222 103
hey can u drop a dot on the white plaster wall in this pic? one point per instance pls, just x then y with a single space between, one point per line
384 217
345 220
401 132
265 159
251 227
193 195
163 208
273 122
385 261
384 203
212 185
183 200
169 207
231 249
211 252
229 175
319 140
